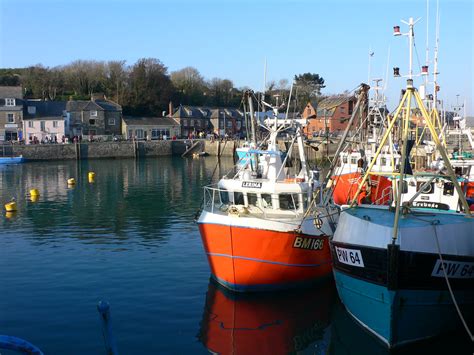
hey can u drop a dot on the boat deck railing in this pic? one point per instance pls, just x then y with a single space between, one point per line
217 201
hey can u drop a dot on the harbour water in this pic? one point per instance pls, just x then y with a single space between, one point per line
130 238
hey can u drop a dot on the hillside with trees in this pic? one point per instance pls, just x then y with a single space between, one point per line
144 88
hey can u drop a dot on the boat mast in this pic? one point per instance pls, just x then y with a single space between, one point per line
405 108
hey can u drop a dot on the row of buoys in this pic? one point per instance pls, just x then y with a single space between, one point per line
11 207
71 182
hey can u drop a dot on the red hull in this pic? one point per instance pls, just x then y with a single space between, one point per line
276 323
245 259
346 186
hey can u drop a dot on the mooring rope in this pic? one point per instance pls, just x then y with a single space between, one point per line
434 223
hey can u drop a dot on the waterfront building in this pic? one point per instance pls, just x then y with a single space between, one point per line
332 114
44 121
93 118
11 113
228 121
194 119
150 128
310 112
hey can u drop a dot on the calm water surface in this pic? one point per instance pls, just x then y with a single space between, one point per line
130 238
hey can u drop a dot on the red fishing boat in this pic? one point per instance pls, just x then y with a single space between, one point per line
260 226
348 175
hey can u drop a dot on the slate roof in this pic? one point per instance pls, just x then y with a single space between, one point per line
82 105
150 121
44 109
14 92
205 112
329 104
108 105
229 113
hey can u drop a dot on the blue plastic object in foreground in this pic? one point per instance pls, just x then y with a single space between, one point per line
104 310
22 346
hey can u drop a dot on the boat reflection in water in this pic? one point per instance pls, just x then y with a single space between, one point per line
267 323
348 337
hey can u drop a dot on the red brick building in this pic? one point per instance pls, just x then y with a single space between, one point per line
332 113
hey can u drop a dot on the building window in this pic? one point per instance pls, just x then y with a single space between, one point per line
130 133
93 113
139 133
351 107
9 102
92 122
43 126
55 124
111 121
185 123
31 124
10 118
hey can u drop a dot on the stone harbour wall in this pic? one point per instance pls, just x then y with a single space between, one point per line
100 150
141 149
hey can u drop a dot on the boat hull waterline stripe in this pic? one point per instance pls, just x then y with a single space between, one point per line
268 261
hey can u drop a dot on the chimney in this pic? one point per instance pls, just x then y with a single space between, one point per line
170 108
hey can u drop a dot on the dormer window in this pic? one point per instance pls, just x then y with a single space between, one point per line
93 113
9 102
31 110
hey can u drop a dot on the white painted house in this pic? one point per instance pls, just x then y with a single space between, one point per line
44 120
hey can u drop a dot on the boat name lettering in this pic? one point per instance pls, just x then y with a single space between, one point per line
252 184
435 205
308 243
454 269
349 256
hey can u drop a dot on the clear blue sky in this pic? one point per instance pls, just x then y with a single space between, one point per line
230 38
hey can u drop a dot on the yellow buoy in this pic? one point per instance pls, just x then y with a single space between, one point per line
10 214
34 192
34 198
91 175
10 206
71 181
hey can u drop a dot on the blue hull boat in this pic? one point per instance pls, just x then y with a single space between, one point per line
398 291
11 160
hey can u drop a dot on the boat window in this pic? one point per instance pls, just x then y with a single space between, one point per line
238 198
344 159
252 199
267 201
305 201
383 161
288 201
353 160
404 187
448 189
224 196
428 189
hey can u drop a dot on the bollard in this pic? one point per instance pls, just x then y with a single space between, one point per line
104 310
